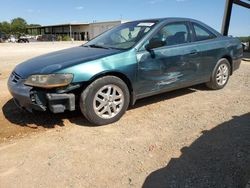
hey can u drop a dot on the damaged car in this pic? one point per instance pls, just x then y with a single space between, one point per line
131 61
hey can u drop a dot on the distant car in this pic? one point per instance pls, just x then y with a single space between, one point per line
46 38
12 39
28 37
246 46
23 40
2 37
37 37
129 62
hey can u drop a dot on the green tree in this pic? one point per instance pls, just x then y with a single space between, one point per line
5 27
245 39
18 26
34 25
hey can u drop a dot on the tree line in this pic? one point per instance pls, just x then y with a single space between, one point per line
245 39
17 26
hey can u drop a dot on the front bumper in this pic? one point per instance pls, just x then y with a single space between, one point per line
29 99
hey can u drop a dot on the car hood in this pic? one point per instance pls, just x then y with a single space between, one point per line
53 62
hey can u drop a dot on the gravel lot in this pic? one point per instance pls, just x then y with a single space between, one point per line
192 137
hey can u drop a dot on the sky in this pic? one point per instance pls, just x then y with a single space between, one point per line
47 12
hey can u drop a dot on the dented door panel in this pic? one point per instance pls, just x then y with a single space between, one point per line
167 67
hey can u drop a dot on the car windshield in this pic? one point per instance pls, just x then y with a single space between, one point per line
122 37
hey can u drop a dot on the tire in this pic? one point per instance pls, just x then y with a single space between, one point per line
105 100
220 75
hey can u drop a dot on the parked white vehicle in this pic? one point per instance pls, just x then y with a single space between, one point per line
12 39
246 46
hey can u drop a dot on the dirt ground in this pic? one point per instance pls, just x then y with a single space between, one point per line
192 137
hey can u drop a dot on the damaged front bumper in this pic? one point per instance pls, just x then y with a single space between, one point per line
28 98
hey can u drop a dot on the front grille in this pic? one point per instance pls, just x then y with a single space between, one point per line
15 77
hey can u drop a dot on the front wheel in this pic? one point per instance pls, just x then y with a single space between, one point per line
220 75
105 100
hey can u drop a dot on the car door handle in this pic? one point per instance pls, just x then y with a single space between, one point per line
145 68
193 52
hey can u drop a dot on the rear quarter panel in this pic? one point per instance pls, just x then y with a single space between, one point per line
215 49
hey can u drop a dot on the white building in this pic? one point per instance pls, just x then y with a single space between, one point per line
77 31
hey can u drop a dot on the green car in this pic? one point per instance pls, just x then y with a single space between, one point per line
129 62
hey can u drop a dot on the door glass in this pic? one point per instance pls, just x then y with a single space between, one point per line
172 34
202 34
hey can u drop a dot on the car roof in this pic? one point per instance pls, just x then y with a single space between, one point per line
178 19
166 19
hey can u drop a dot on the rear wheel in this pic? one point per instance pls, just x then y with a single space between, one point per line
220 75
105 100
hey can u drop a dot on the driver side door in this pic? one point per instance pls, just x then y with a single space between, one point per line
171 63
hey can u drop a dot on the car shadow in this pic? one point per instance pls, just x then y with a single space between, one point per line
49 120
218 158
46 119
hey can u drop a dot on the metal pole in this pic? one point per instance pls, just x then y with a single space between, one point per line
70 30
227 17
242 3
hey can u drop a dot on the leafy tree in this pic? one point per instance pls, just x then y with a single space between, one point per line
245 39
5 27
18 26
34 25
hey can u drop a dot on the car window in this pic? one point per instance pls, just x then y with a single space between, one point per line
124 36
173 34
202 33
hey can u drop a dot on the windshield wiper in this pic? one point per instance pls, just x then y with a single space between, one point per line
103 47
97 46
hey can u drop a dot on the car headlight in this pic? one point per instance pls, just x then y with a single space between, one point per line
50 80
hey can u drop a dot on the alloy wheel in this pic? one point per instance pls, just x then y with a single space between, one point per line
222 74
108 101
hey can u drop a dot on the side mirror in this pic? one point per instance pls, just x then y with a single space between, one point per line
154 43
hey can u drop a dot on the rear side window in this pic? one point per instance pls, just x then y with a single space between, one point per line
202 33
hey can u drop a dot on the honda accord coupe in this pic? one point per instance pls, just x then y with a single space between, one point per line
131 61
